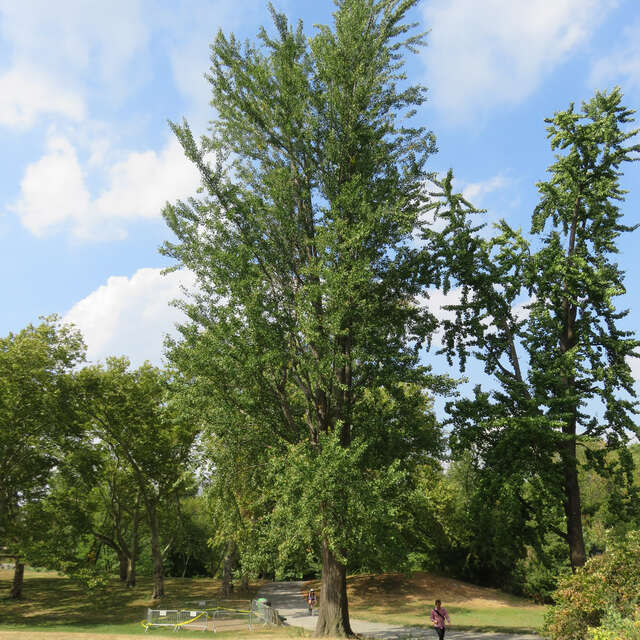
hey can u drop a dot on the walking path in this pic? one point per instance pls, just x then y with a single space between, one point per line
288 599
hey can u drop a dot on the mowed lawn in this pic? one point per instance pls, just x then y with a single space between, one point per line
54 607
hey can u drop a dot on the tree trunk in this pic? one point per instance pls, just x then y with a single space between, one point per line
133 549
572 506
131 571
334 607
227 568
156 554
18 580
124 565
568 340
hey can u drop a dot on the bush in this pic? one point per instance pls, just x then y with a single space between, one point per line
616 627
606 587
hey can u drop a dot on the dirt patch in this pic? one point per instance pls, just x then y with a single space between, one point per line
397 589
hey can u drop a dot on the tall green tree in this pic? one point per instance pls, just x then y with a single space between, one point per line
306 315
37 423
562 357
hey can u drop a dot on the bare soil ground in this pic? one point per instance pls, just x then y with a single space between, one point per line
396 589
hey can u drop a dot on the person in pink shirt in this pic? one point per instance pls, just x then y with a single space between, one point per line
438 616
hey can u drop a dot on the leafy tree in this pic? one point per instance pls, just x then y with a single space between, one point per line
36 423
191 554
306 329
566 353
93 503
131 413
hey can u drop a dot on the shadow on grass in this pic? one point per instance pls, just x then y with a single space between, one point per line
56 601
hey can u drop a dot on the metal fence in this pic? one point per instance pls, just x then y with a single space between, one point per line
177 618
210 615
263 612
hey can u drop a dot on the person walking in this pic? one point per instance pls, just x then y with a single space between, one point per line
312 600
438 616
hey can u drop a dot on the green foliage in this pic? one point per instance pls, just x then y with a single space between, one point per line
566 353
605 589
38 421
92 581
614 626
133 414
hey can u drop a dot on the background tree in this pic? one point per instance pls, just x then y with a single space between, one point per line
565 357
306 316
37 423
93 504
131 413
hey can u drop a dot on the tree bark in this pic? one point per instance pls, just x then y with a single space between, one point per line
133 550
568 340
156 554
572 506
227 569
18 580
334 607
131 571
124 565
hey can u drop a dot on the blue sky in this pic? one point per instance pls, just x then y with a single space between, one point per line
87 159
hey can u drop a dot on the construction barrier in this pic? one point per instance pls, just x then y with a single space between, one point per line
176 618
214 617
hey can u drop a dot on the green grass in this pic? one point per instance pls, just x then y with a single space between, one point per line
53 603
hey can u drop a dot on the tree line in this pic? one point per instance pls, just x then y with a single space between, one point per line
297 410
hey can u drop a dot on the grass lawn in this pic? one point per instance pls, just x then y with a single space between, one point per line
53 607
407 600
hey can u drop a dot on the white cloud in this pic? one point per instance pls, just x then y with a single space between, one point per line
130 316
474 192
622 65
483 54
26 94
140 185
434 301
54 191
437 299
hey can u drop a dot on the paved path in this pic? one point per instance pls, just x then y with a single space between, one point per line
288 599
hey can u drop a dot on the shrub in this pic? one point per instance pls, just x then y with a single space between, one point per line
606 587
616 627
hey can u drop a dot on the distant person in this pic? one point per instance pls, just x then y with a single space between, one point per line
312 600
438 616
